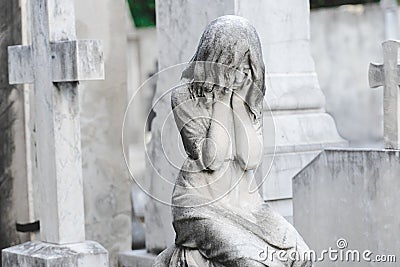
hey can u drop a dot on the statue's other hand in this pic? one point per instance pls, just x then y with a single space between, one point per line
243 89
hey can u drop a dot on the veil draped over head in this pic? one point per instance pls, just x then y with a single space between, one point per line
223 46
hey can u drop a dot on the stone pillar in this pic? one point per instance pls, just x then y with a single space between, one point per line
105 177
14 206
303 127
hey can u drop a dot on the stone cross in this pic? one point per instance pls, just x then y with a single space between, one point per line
55 63
388 76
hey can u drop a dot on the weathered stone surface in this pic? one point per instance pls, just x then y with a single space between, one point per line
77 60
350 194
20 64
302 127
292 91
284 29
106 181
288 23
136 258
87 254
13 169
284 167
71 61
295 149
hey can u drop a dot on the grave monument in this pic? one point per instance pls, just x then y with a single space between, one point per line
55 63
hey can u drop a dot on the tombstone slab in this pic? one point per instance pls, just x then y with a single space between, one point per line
51 255
136 258
353 195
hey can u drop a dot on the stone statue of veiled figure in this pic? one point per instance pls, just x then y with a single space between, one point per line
218 216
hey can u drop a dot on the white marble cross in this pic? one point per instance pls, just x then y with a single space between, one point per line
388 76
54 63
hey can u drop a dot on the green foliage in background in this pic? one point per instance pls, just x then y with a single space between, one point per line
332 3
143 12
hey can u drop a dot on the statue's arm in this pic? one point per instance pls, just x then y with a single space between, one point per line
249 144
215 146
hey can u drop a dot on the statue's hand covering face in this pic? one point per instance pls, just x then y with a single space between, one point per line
228 47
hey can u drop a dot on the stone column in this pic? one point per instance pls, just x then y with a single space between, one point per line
302 127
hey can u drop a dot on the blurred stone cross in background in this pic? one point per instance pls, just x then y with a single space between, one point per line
55 63
388 76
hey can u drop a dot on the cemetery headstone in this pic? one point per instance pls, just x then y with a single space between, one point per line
347 201
55 63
